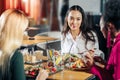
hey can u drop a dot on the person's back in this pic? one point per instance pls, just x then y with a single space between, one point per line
11 39
13 23
17 66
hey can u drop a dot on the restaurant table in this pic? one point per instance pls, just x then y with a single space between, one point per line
37 39
61 75
67 74
71 75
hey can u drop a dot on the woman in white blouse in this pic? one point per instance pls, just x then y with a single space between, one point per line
77 36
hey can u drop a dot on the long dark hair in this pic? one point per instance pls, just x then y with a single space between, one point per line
84 28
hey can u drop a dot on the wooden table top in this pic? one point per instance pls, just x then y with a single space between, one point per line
67 74
37 39
70 75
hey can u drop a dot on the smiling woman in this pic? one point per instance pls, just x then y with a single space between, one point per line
77 36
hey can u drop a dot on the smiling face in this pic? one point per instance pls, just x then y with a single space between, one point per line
74 20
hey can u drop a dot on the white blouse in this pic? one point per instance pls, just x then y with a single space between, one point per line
69 45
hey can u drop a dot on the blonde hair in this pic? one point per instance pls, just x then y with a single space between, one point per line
13 23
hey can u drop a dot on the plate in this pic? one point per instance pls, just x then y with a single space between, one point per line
32 71
77 69
36 62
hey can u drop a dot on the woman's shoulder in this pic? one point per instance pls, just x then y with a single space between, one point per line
16 55
63 36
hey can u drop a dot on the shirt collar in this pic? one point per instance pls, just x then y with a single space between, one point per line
69 35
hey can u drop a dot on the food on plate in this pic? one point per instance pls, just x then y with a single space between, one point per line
74 61
78 64
71 57
50 64
58 60
56 53
32 71
50 67
66 56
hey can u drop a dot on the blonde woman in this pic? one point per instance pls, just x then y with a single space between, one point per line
13 23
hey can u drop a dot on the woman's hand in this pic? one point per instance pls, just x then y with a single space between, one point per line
89 59
43 74
99 61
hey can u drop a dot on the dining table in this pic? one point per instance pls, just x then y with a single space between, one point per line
65 74
71 75
62 72
37 39
68 74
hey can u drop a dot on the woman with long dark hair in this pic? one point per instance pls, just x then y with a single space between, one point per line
77 35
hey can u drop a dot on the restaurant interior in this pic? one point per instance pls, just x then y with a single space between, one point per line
46 19
50 12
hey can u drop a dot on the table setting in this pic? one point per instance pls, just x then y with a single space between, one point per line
54 63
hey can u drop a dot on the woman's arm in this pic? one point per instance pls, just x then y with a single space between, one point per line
117 73
91 60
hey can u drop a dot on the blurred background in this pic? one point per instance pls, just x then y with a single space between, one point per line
47 18
48 15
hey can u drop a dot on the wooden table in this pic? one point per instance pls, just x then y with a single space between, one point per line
71 75
37 39
67 74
